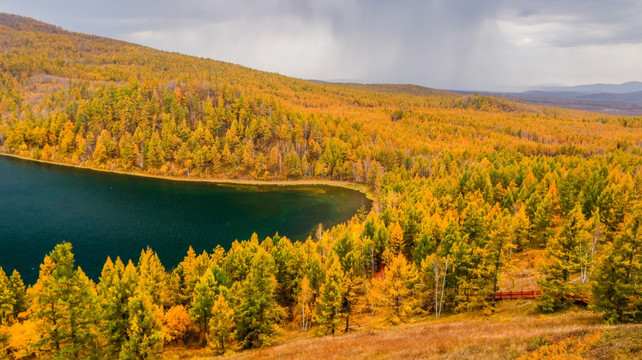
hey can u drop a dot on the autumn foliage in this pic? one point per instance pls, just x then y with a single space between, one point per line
461 185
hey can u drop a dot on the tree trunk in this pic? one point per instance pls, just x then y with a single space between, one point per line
443 287
496 272
436 269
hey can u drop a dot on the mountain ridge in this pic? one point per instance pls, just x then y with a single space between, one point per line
597 88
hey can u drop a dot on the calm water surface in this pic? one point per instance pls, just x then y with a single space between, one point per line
104 214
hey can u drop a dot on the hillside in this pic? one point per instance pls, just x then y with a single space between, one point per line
397 89
515 337
473 194
110 86
22 23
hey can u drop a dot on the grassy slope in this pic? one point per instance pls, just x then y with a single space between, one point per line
515 329
513 332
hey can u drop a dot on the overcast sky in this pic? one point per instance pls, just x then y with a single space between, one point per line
447 44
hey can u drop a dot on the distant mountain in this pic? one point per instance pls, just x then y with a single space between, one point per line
632 97
618 99
628 87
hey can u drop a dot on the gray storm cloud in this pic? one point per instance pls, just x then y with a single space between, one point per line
452 44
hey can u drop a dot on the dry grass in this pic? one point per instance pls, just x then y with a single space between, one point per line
623 342
505 336
488 339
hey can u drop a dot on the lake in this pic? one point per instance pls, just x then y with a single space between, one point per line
105 214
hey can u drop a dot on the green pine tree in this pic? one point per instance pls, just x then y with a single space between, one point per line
396 290
258 312
497 249
19 293
521 230
616 291
7 300
144 334
153 280
289 271
542 221
117 285
203 300
329 309
564 257
188 273
222 325
65 301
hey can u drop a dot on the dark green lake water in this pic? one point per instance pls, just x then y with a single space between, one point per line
104 214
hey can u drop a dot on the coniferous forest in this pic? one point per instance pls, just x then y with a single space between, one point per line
462 186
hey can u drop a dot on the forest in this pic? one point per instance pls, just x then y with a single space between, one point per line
462 185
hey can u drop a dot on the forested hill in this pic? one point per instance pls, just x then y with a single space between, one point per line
22 23
398 89
110 104
465 186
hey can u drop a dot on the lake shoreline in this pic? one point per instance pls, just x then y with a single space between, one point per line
106 214
362 188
